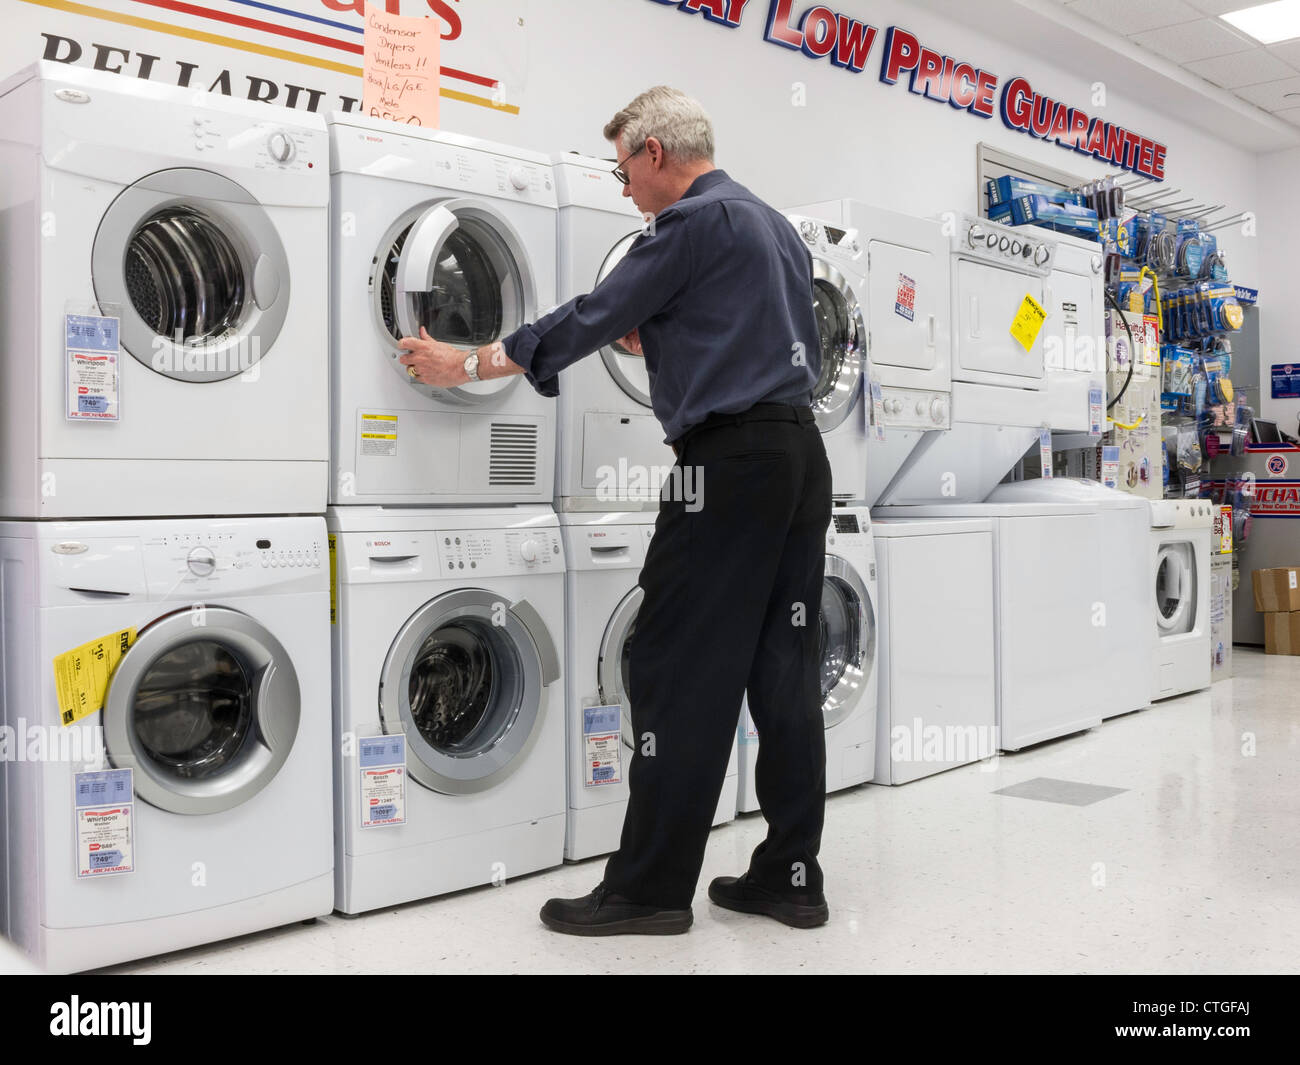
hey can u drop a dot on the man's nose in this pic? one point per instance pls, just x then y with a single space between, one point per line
627 191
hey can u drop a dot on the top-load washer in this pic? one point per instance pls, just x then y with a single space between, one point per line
902 325
457 236
999 380
1074 344
1178 574
611 453
165 333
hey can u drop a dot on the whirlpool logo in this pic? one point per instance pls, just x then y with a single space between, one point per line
133 1020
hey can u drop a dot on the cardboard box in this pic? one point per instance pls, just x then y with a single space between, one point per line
1282 633
1277 589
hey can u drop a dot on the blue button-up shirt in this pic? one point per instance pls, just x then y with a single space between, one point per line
721 291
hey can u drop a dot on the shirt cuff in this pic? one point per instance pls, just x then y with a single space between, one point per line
521 347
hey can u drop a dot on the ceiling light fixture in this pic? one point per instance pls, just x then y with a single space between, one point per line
1268 23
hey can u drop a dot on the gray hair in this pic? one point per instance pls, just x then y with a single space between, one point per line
678 122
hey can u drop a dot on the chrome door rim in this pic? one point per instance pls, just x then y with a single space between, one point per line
840 702
833 409
1177 555
609 667
609 354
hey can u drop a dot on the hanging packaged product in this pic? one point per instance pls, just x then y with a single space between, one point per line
1225 312
1189 253
1161 245
1177 366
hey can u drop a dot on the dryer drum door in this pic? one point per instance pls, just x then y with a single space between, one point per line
847 640
466 682
196 270
205 708
459 270
628 370
842 336
1175 589
612 662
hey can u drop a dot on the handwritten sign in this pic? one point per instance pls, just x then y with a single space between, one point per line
401 68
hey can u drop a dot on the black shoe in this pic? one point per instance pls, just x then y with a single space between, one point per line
798 911
603 913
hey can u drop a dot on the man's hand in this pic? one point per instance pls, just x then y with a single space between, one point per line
435 364
632 342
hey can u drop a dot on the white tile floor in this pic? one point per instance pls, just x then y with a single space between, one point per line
1192 867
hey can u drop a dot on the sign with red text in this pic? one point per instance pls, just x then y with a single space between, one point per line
820 33
401 79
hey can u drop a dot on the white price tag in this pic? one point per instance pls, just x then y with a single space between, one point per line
1096 412
105 815
1110 466
383 781
878 410
748 731
602 741
1045 452
92 356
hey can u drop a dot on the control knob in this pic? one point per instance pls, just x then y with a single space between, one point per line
1042 255
938 411
1004 244
975 235
281 146
529 550
201 562
519 178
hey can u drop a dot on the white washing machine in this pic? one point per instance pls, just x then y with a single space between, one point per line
194 805
1124 664
611 453
456 235
165 338
1178 575
937 706
905 308
999 384
1047 601
605 553
448 643
847 621
1074 344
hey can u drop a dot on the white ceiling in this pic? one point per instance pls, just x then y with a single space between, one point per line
1188 33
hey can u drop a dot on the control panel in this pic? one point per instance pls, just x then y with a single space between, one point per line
850 534
488 174
828 242
497 552
1005 245
231 558
270 146
915 408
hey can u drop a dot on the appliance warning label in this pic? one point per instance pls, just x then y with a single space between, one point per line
378 435
104 806
905 300
93 352
602 738
383 781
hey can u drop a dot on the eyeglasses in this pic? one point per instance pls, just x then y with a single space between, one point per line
619 172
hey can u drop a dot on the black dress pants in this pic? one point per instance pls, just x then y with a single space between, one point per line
733 584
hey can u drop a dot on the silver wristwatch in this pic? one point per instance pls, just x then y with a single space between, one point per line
471 366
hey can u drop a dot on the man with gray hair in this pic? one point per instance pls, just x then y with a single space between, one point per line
717 296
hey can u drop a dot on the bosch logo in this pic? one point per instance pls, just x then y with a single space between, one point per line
381 543
1277 465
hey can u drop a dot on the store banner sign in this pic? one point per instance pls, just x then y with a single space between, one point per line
304 54
822 34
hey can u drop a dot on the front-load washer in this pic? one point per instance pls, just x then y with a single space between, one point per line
605 553
1123 596
937 707
1000 401
1074 337
611 454
847 622
1047 578
448 705
905 314
457 236
165 336
1178 574
190 803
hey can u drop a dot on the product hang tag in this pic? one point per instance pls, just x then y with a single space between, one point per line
878 410
1028 322
81 675
104 811
92 366
748 730
1096 412
1110 466
602 745
383 780
1045 452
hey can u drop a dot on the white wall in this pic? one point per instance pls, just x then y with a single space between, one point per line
1279 298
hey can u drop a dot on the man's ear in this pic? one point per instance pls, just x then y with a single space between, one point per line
656 152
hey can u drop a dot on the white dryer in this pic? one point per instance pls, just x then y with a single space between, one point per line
165 336
611 453
1124 664
904 305
456 235
448 643
194 804
605 553
1047 579
999 382
847 623
1178 575
1074 336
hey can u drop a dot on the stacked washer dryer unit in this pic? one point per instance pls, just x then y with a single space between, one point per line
612 462
847 621
1179 578
165 358
1074 336
449 572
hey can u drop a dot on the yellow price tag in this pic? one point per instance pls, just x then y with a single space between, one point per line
81 675
1029 322
334 580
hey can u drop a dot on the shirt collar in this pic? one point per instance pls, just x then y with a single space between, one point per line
705 182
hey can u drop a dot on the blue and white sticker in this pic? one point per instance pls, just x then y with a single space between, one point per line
383 780
1096 412
602 743
878 410
1110 466
748 730
104 808
93 354
1045 452
905 298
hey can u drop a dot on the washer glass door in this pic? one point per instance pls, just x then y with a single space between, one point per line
1175 589
627 369
206 714
847 629
457 269
842 337
195 269
465 681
